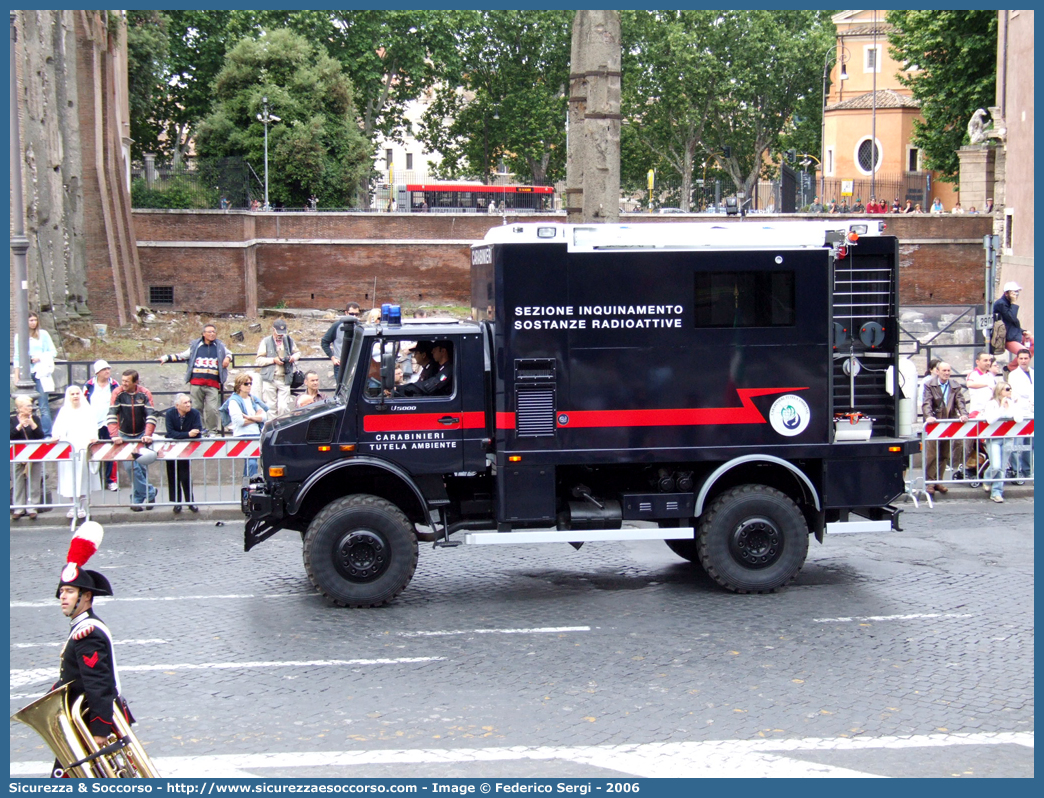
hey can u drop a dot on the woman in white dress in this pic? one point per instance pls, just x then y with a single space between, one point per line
76 424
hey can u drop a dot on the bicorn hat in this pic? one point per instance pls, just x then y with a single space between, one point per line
82 547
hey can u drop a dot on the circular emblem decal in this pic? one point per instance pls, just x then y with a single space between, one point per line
789 415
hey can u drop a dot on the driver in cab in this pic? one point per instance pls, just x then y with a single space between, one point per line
440 383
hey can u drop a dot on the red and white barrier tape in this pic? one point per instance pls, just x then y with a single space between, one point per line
40 451
955 429
206 449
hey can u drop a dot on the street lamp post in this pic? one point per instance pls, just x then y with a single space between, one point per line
873 121
265 117
805 163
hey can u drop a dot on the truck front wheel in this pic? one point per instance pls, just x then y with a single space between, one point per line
752 539
360 551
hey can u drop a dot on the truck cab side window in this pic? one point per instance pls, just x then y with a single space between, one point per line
436 377
398 370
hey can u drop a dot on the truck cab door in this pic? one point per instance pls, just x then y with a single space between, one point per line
418 425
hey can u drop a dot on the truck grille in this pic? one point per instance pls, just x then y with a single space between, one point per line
321 430
534 412
535 370
865 290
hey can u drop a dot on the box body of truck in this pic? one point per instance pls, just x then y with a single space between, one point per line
694 383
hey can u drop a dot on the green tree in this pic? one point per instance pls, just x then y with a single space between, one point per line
316 148
773 65
390 56
197 44
502 95
955 53
670 76
196 48
696 82
148 51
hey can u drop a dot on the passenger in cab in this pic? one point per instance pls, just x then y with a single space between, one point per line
427 367
440 383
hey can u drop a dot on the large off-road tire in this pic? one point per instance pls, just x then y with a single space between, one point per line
360 551
752 539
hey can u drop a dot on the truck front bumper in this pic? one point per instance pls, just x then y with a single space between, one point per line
264 514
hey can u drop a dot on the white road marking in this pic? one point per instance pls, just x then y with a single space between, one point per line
534 631
24 678
62 643
712 758
21 678
916 616
103 601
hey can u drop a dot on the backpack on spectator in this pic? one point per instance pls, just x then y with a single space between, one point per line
999 337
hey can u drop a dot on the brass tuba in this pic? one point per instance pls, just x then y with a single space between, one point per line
68 736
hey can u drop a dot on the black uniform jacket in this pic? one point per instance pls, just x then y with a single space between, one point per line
440 384
90 667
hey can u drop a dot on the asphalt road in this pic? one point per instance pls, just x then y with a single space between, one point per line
906 654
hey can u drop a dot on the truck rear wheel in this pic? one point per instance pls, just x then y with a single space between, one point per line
753 539
360 551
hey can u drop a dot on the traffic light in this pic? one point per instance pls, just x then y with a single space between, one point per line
791 156
726 152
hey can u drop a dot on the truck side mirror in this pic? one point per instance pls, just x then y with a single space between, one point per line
388 369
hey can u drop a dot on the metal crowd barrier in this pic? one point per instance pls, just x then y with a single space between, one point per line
215 472
956 453
34 475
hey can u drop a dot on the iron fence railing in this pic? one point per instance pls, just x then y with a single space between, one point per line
913 186
77 372
194 185
236 184
946 331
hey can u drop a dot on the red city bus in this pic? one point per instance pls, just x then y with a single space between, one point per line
474 198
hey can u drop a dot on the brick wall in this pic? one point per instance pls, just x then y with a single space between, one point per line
206 279
327 276
159 225
101 293
324 259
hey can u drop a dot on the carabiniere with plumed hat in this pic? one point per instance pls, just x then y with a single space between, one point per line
84 719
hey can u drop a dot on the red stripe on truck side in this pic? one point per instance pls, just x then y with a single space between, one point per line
410 422
747 413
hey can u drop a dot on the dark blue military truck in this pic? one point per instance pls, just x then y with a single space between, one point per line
731 389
